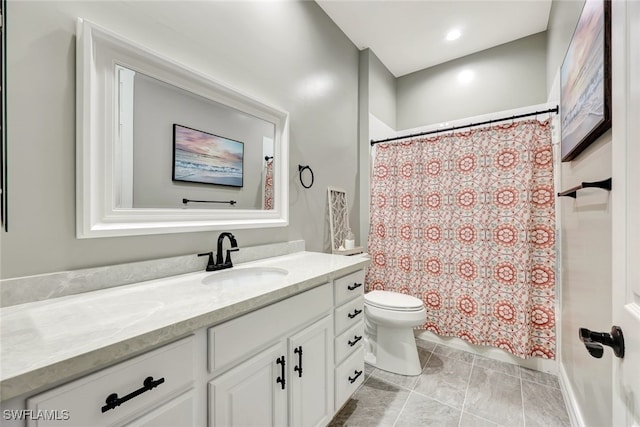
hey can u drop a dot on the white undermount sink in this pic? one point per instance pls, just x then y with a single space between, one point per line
248 275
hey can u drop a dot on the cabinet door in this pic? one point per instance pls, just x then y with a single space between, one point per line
250 394
176 412
311 375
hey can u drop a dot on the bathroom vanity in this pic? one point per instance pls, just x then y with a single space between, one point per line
277 341
282 349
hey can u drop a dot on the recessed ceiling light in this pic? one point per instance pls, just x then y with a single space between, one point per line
453 35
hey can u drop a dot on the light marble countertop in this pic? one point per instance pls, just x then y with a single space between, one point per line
47 342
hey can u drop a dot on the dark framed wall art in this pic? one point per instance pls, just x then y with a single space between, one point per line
585 80
206 158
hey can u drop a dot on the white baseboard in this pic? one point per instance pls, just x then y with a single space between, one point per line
537 363
575 416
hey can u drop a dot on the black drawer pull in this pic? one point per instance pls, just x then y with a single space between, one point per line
354 314
353 380
280 379
355 340
354 286
114 401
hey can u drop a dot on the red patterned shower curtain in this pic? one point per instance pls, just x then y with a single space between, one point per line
268 185
466 222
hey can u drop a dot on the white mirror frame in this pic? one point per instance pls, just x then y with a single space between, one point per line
98 51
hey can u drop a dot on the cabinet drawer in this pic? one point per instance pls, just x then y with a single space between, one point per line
82 401
349 341
177 412
349 375
349 314
348 287
233 341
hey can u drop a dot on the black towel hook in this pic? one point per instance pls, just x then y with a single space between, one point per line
302 169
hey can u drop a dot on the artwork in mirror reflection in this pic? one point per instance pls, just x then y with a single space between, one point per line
206 158
204 142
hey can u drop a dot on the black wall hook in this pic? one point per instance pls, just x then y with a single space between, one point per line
302 169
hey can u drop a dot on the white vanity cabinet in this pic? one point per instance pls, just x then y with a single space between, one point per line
311 375
349 333
288 377
177 412
279 386
140 401
249 394
291 363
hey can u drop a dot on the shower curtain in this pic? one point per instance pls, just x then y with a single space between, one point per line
466 223
267 191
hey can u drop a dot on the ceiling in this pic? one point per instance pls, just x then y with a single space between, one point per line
408 36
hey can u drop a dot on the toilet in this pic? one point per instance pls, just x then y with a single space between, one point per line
389 341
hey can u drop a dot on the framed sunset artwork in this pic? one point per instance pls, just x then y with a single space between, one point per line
585 79
206 158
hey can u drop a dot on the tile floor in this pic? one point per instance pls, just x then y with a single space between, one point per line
456 388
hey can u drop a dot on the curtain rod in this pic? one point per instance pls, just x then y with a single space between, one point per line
519 116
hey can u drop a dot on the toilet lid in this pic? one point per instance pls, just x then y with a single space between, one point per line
393 301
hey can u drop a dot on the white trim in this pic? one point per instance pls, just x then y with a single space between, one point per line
124 164
97 212
625 207
536 363
570 400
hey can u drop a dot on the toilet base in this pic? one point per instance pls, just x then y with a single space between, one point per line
395 351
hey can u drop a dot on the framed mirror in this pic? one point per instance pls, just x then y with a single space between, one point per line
162 148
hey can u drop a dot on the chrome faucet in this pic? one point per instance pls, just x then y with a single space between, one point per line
219 264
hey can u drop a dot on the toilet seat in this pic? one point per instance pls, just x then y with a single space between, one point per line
393 301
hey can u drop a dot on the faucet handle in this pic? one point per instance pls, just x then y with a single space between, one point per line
210 263
227 259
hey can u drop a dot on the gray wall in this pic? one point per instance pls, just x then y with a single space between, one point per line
585 247
288 54
157 106
377 97
382 91
508 76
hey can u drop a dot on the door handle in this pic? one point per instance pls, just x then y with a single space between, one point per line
281 380
594 341
298 368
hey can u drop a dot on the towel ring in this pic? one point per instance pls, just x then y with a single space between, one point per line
302 169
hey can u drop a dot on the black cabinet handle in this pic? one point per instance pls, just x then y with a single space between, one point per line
354 286
280 379
353 380
354 314
298 367
112 401
355 340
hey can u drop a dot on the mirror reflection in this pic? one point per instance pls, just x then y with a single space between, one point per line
179 149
